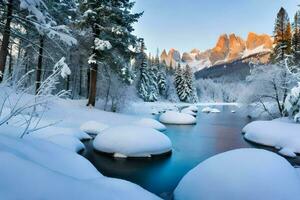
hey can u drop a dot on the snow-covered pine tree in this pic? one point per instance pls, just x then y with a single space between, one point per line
189 80
296 41
112 26
180 84
282 38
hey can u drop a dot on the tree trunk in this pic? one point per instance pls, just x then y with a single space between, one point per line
88 83
6 37
93 85
39 66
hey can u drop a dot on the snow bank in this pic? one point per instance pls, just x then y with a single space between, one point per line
68 142
151 123
35 169
93 127
276 134
171 117
241 174
53 131
210 110
132 141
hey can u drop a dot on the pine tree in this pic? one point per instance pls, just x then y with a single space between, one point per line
296 40
282 38
111 23
147 85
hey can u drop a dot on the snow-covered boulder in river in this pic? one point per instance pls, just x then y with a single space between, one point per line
188 111
132 141
151 123
278 133
171 117
35 169
93 127
210 110
246 174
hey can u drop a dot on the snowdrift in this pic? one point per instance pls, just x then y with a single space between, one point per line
241 174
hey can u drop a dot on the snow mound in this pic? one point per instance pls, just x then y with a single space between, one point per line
151 123
274 133
210 110
54 131
171 117
35 169
93 127
132 141
68 142
241 174
188 111
193 108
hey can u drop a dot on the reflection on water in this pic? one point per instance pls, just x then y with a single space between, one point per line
213 134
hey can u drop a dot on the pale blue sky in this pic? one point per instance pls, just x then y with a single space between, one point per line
187 24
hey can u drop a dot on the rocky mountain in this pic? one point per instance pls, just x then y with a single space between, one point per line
229 48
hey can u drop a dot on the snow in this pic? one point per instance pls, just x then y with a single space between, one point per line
68 142
93 127
172 117
188 111
280 134
241 174
35 169
210 110
151 123
132 141
193 108
287 152
257 50
53 131
102 44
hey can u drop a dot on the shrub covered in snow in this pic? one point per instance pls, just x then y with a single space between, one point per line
292 103
282 135
241 174
132 141
172 117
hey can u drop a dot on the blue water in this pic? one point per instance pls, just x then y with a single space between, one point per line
213 134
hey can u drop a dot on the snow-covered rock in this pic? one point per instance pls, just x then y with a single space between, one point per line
210 110
241 174
151 123
35 169
53 131
188 111
68 142
274 133
171 117
93 127
132 141
193 108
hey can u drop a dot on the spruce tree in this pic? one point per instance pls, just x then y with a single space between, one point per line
282 38
296 40
111 23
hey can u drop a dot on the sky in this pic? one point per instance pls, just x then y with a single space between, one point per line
188 24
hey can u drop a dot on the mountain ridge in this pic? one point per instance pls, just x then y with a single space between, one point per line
228 48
